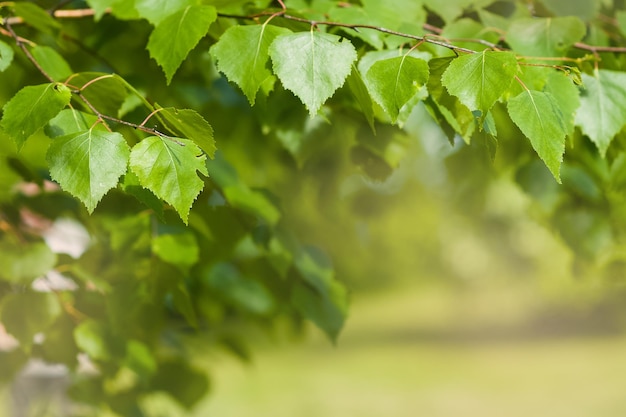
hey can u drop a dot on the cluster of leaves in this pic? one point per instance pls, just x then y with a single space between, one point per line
186 239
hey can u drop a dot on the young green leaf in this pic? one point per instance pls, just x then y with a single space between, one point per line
106 92
545 37
393 82
177 35
242 54
21 263
479 79
189 124
31 108
602 111
6 56
312 65
168 169
155 11
566 95
52 62
180 250
77 163
70 121
538 116
25 314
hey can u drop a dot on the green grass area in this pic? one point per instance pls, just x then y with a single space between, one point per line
398 357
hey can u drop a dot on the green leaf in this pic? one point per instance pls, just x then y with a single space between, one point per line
28 313
566 94
88 164
538 116
155 11
362 96
312 65
242 55
21 263
52 62
357 15
602 111
177 35
168 169
71 121
393 82
31 108
545 37
180 250
479 79
36 17
243 292
106 92
91 337
6 56
320 297
189 124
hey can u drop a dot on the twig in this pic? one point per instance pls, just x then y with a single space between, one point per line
20 43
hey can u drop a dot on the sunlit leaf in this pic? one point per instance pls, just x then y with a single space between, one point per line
76 162
538 116
242 55
602 111
168 167
393 82
312 65
177 35
52 62
31 108
480 79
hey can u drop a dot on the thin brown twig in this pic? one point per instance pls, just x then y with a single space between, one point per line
24 49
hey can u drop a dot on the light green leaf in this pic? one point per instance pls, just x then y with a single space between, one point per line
538 116
21 263
168 169
545 37
189 124
6 56
100 6
479 79
566 94
180 250
313 65
31 108
584 9
449 10
35 16
91 337
52 62
88 164
28 313
602 111
71 121
177 35
394 14
106 92
357 15
621 21
242 55
155 11
393 82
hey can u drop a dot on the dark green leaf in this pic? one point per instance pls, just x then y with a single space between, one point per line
31 108
189 124
35 16
52 62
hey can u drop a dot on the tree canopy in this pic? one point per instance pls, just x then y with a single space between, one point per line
158 160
